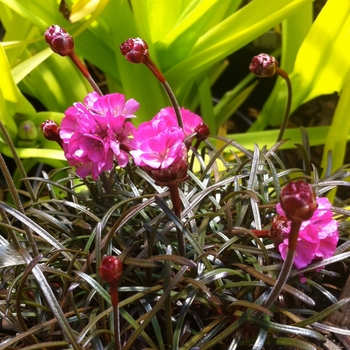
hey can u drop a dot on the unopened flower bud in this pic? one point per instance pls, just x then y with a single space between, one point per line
28 131
111 269
202 132
298 200
135 50
51 131
59 40
263 65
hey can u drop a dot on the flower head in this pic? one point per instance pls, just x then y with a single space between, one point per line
135 50
59 40
318 236
158 147
95 133
263 65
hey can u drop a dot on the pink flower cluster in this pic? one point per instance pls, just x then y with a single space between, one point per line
318 236
159 147
96 133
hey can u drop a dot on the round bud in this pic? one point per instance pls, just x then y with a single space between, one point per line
135 50
298 200
202 131
59 40
111 269
263 65
51 131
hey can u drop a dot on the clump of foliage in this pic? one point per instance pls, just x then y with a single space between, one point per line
192 253
55 296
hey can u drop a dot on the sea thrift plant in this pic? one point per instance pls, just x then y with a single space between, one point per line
96 133
318 236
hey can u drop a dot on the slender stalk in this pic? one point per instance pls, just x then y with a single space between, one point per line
287 265
154 69
116 319
79 64
175 198
283 127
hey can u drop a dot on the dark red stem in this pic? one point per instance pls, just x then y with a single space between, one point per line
287 265
79 64
158 74
175 198
115 304
283 127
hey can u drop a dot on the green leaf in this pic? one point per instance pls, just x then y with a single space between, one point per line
11 99
231 34
319 66
339 131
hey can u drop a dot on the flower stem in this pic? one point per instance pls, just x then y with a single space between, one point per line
79 64
287 265
116 321
158 74
175 198
285 76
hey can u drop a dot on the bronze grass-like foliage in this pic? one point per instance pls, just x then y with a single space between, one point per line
54 237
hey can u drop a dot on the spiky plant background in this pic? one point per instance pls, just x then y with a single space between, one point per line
53 297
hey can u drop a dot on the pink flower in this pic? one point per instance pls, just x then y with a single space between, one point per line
318 236
95 132
192 122
158 147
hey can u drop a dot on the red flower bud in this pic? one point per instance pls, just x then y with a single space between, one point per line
202 131
59 40
263 65
298 200
111 269
135 50
51 131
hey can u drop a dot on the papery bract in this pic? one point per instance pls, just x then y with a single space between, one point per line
318 236
95 132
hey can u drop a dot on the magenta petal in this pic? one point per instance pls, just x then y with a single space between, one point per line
131 106
122 159
84 170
